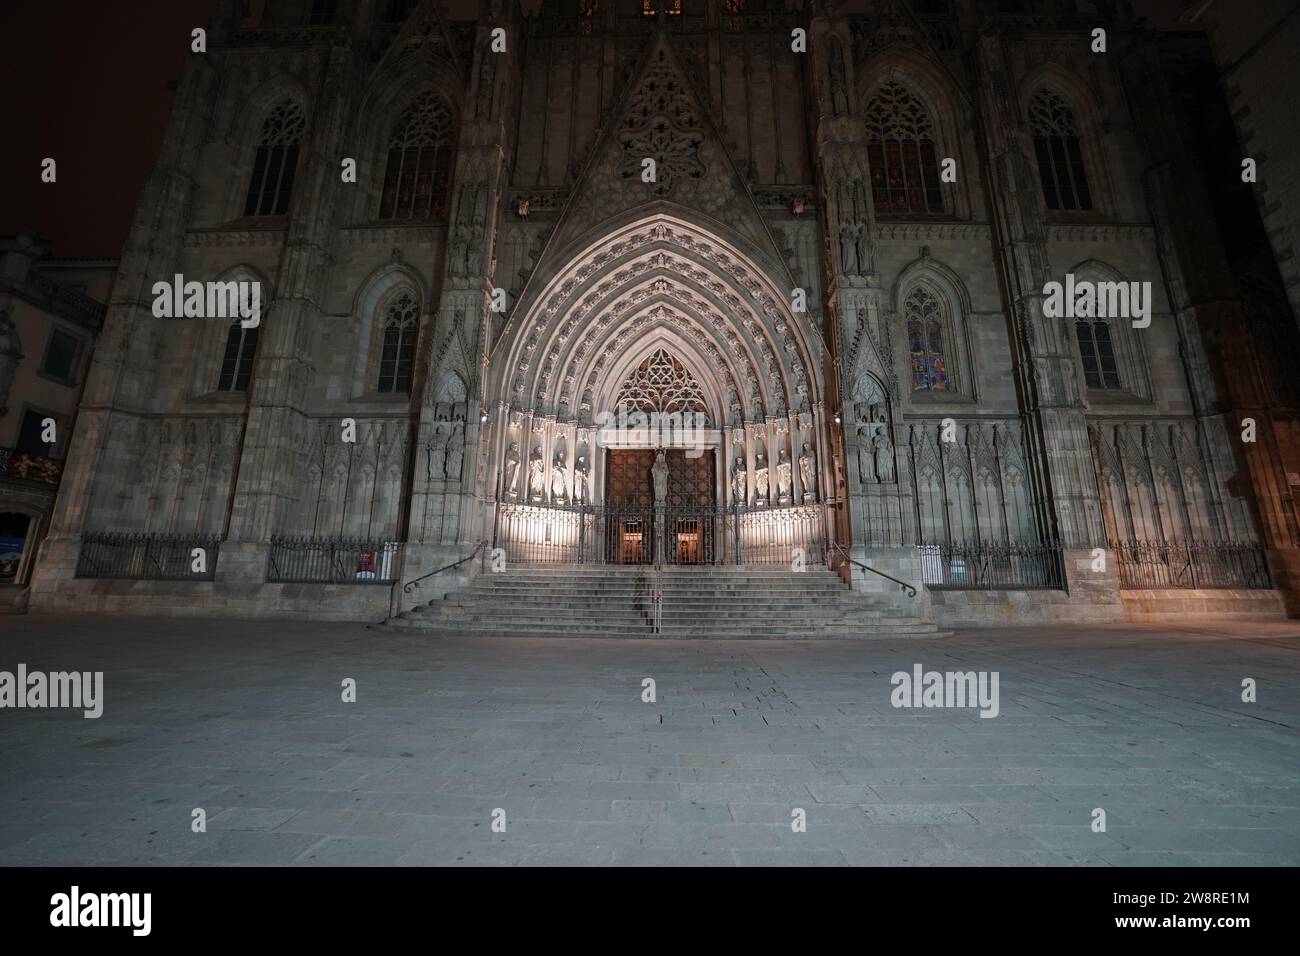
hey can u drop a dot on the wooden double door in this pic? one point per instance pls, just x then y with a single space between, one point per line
688 530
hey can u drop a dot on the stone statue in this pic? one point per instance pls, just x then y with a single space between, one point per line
807 465
884 453
580 480
512 469
536 475
455 454
558 474
866 470
783 475
738 490
659 472
437 455
760 478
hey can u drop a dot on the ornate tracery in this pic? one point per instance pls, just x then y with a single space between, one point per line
661 384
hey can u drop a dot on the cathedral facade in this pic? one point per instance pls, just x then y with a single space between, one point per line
679 281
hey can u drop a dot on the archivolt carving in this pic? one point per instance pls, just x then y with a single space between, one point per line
705 284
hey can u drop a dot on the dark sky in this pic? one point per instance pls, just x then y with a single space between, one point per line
85 82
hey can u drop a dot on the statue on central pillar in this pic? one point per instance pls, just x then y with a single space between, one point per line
659 473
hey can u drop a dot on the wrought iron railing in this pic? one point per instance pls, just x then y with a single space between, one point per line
415 583
333 561
142 556
566 534
1191 564
843 554
982 565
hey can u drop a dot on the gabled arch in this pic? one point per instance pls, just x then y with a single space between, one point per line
389 93
246 129
1134 371
942 282
371 298
211 335
1089 118
948 107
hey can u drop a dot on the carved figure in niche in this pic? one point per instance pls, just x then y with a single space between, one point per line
783 475
512 469
558 474
738 474
807 465
455 454
536 475
760 478
580 480
659 473
866 468
437 454
884 452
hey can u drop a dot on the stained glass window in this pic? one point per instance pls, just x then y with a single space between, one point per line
925 340
901 151
276 161
1098 354
419 161
1058 152
397 359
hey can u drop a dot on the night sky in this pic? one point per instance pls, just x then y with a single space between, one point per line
85 81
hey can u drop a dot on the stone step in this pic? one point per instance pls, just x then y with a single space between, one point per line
698 603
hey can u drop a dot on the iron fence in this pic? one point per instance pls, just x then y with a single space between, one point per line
985 566
333 561
148 557
1191 564
563 534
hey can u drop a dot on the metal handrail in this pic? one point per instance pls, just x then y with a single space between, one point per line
406 588
839 549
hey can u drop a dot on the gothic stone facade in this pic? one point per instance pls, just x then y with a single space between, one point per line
839 262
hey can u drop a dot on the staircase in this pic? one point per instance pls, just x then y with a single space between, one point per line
697 602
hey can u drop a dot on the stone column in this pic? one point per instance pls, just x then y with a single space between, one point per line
1051 394
277 410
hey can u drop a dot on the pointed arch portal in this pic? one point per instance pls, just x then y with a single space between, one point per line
661 334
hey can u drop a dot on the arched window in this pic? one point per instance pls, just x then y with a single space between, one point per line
1058 152
276 161
926 340
397 358
1098 353
237 362
419 161
900 148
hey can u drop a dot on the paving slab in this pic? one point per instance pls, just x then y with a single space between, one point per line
449 734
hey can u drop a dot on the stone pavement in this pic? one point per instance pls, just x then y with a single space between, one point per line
246 721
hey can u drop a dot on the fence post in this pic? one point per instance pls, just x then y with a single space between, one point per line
735 529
